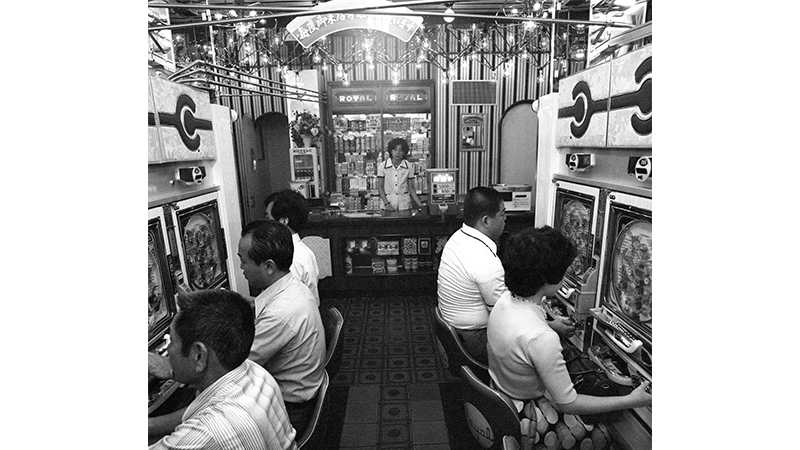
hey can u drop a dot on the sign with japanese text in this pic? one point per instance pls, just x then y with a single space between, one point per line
310 29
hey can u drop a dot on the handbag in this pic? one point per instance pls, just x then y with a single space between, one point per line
589 379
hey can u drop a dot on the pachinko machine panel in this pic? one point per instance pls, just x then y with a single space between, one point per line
160 302
576 216
160 296
202 243
622 340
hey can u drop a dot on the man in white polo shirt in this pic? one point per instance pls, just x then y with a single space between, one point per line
470 272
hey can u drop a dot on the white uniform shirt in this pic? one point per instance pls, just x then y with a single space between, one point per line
395 182
471 279
304 266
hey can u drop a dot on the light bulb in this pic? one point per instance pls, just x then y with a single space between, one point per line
253 13
450 11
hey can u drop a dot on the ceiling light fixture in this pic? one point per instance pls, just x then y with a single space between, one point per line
449 11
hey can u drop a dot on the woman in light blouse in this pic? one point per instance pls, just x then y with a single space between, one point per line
396 178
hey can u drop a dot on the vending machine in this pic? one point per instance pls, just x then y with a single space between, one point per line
442 194
306 169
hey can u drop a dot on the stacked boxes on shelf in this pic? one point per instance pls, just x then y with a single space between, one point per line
359 143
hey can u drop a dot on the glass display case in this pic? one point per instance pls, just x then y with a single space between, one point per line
365 117
393 255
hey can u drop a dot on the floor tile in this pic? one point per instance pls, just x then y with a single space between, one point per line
427 376
344 378
397 411
393 393
361 413
398 376
423 392
426 411
394 433
359 434
432 447
398 362
364 394
370 377
426 361
371 363
434 432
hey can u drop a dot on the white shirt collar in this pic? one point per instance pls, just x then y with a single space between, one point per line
388 164
477 234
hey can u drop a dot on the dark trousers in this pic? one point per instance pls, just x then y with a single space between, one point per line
475 343
300 415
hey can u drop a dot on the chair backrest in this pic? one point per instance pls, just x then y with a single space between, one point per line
456 355
509 443
333 321
491 415
321 247
314 435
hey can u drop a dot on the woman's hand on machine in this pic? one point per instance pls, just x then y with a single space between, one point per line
564 327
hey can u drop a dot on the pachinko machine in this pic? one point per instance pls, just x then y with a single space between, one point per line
202 243
576 216
160 302
622 339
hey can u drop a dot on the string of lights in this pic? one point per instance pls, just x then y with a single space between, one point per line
251 45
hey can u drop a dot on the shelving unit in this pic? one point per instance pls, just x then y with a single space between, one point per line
365 117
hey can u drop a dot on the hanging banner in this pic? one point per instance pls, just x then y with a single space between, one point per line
310 29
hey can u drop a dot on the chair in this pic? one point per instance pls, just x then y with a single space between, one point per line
321 248
491 415
314 435
333 321
455 355
509 443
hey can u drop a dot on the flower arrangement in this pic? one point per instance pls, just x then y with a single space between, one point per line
305 124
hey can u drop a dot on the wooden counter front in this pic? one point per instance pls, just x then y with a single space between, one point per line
373 239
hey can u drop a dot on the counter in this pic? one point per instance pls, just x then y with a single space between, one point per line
388 251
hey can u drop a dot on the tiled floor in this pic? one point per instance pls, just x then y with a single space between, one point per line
392 391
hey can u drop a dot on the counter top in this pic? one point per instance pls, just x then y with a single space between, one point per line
334 217
362 217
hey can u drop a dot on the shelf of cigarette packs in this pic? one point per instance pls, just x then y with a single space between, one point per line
359 145
392 255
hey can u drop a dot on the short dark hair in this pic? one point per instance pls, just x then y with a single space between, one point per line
534 257
220 319
402 143
271 240
481 201
291 205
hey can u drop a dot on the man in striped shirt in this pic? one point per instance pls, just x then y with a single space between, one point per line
239 404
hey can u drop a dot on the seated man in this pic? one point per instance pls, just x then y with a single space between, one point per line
238 405
291 209
470 278
525 359
290 339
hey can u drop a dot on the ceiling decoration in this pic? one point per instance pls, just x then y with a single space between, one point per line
496 33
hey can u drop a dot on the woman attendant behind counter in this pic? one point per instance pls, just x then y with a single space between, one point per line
396 178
